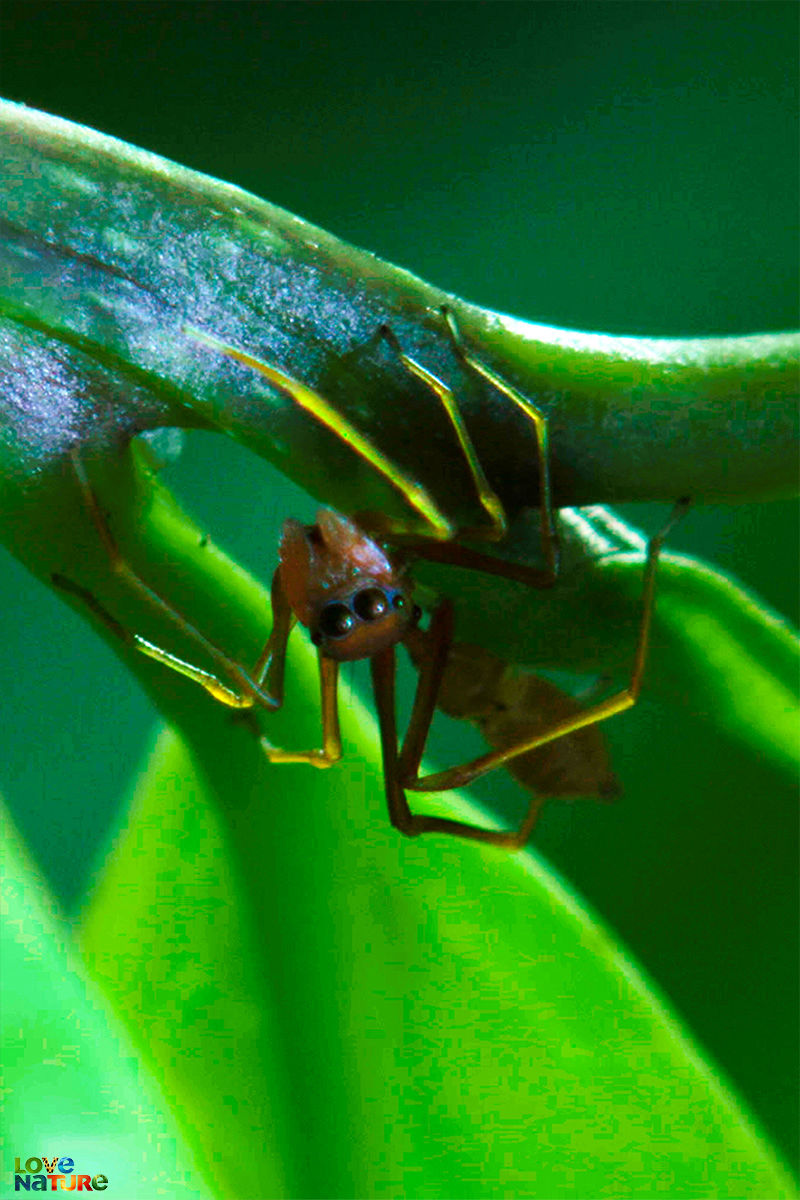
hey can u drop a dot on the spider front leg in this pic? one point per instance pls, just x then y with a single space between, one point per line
262 687
271 666
246 694
405 768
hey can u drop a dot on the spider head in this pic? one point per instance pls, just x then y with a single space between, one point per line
343 587
357 625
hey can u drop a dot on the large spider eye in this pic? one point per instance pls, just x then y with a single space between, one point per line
370 604
336 620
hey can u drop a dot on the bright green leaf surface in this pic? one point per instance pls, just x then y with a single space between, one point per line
419 1019
75 1086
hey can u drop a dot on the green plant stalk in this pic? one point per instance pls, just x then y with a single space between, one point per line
135 261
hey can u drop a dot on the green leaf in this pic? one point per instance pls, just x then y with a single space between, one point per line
371 1016
74 1085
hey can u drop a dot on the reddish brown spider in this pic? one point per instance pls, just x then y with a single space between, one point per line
349 584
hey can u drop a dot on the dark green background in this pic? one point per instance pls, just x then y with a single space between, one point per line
622 167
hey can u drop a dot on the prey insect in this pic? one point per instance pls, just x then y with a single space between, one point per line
349 583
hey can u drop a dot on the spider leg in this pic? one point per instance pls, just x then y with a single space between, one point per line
490 501
454 554
214 686
402 769
538 419
461 775
400 815
438 640
245 694
270 667
331 750
451 551
435 523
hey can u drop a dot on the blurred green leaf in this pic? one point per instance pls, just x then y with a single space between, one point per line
393 1018
74 1085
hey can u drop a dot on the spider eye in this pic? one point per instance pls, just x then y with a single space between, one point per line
336 620
398 601
370 604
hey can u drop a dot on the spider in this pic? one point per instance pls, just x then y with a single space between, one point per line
348 581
